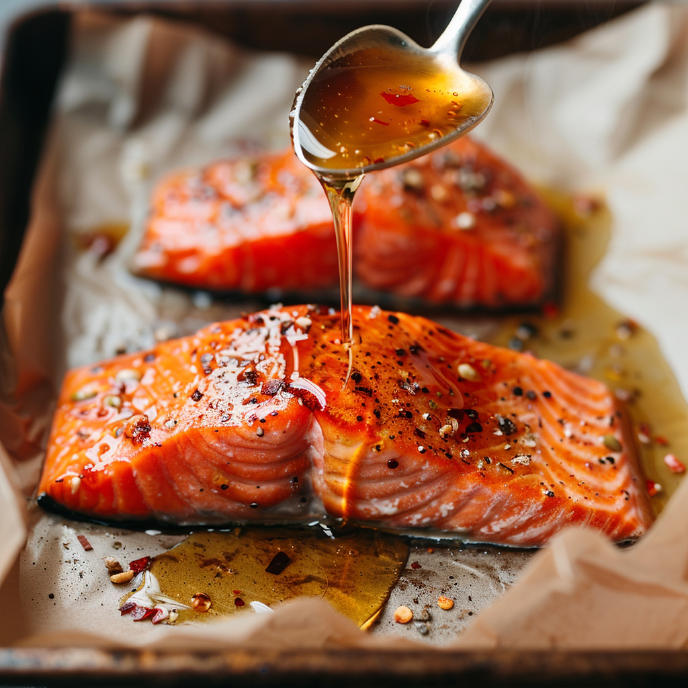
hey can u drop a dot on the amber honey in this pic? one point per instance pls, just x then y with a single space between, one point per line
368 107
217 574
375 104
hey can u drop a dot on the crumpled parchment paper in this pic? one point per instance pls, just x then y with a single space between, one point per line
606 112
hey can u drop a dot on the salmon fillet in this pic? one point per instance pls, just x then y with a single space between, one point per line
250 225
459 226
248 421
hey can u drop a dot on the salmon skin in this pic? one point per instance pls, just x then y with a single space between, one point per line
250 225
458 227
248 420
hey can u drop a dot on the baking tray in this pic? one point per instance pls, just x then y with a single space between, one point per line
36 47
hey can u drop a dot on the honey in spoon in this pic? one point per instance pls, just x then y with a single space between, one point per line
378 105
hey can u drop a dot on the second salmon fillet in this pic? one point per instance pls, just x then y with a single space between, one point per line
459 227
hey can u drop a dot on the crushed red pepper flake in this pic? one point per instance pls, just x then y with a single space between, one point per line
400 100
653 488
84 543
139 565
142 613
675 466
127 608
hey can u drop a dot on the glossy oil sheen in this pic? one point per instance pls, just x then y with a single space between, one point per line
582 336
353 570
371 105
378 103
340 195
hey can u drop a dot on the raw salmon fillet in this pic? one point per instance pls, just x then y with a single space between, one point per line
248 420
460 227
250 224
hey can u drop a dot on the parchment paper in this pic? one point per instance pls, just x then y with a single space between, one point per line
606 112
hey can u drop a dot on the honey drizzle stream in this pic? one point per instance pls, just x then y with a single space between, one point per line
340 194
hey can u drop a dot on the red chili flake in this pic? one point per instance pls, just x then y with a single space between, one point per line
273 387
142 613
550 310
236 592
675 466
424 123
309 399
415 565
400 100
139 565
138 428
661 440
377 161
127 608
160 615
84 543
379 121
238 602
653 488
644 433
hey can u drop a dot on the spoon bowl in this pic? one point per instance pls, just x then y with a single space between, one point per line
378 99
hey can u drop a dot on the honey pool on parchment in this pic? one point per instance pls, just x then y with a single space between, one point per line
354 570
585 336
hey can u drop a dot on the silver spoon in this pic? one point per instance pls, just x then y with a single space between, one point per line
340 124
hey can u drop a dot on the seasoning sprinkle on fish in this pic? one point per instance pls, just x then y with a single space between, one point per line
294 438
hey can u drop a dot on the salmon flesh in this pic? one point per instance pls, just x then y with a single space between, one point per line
249 421
248 225
460 227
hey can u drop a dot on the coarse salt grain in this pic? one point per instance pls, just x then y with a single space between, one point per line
464 221
468 372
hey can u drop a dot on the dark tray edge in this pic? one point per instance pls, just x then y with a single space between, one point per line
79 666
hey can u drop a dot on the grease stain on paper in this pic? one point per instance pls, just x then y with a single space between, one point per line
354 570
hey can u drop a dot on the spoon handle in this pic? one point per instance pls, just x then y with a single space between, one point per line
454 37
